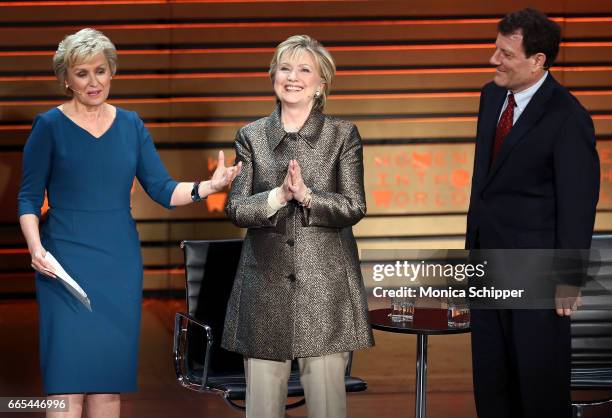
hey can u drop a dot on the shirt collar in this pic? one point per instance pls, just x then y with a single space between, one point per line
522 98
309 132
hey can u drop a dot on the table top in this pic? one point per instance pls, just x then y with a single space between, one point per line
427 321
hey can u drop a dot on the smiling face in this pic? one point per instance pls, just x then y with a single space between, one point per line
90 80
514 71
296 80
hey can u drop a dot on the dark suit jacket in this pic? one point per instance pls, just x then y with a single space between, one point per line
542 190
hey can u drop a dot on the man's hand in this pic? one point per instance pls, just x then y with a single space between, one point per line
567 299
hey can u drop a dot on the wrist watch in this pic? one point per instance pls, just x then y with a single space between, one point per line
195 192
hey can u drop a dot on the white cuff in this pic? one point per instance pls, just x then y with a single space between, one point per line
273 204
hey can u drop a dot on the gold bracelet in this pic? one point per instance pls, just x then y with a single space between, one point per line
307 198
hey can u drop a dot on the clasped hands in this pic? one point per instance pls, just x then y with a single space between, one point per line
293 186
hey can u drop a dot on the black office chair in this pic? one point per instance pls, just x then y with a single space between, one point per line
201 364
591 328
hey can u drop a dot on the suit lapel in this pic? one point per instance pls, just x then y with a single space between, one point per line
274 129
488 122
310 132
530 116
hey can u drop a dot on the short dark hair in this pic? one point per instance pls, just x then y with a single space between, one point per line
540 34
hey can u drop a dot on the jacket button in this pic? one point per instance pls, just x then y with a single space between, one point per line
290 242
291 277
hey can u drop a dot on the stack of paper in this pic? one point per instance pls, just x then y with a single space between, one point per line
65 279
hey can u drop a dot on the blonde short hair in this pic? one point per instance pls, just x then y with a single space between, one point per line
80 47
327 68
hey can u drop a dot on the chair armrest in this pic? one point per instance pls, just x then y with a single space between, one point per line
180 359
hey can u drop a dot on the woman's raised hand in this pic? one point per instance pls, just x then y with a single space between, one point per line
298 188
284 193
223 176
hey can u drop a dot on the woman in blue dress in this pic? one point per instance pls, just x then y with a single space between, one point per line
85 154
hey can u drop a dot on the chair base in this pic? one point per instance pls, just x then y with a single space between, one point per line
241 407
578 407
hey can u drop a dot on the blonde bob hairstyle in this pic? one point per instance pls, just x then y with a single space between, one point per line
326 67
81 47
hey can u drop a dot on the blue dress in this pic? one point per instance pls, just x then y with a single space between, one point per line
90 231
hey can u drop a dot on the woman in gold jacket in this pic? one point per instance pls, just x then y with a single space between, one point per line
298 292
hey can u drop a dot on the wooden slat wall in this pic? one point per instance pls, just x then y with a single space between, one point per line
409 75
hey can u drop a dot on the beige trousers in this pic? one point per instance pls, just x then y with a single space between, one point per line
322 379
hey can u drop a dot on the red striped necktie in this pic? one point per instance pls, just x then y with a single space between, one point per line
503 126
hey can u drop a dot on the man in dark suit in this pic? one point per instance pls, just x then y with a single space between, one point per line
535 185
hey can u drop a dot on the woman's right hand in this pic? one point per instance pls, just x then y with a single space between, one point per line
40 264
284 194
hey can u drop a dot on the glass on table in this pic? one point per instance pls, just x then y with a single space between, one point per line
458 313
402 309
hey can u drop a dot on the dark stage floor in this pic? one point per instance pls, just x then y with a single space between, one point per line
389 369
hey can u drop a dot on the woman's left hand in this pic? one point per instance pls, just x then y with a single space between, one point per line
298 187
223 176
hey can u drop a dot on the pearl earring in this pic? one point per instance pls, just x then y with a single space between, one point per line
317 93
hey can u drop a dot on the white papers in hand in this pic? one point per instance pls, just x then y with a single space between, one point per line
68 282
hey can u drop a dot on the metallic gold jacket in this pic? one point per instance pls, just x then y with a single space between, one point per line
298 290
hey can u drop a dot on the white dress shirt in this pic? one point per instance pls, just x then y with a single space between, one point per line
522 99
